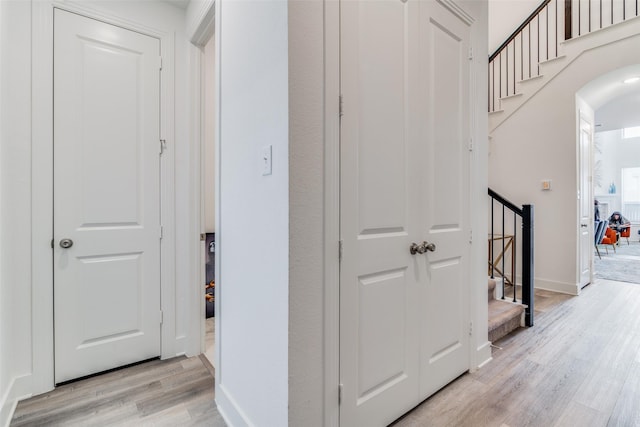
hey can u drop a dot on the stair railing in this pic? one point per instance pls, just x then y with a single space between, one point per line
537 39
518 58
506 237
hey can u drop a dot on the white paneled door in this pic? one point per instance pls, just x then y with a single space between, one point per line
585 199
106 196
404 313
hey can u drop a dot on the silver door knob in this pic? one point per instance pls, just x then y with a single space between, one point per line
416 249
66 243
421 248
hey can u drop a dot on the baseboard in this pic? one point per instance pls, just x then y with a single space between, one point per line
561 287
19 389
228 408
483 356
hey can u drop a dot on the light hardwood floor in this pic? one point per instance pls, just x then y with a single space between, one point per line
578 366
174 392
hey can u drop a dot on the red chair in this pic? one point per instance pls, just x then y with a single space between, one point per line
626 233
609 239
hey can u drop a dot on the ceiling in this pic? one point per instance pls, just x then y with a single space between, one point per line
616 104
182 4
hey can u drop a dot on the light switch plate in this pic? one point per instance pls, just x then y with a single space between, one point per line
266 160
546 184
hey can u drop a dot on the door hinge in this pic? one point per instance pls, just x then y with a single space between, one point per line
470 236
340 103
161 317
163 145
470 328
339 394
340 250
51 243
470 144
160 62
161 232
470 53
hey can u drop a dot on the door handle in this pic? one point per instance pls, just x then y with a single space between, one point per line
421 248
583 225
416 249
66 243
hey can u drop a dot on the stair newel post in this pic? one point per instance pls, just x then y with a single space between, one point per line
491 240
514 247
503 257
527 263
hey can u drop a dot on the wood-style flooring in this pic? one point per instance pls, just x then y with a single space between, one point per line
578 366
174 392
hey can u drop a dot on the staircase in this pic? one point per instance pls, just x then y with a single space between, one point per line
504 316
554 36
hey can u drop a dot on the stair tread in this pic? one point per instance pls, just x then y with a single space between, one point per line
502 311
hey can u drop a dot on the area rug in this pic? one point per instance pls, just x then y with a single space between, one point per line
623 265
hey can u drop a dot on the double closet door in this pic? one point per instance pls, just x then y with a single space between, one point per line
404 279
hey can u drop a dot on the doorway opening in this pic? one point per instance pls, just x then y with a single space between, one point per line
208 174
615 169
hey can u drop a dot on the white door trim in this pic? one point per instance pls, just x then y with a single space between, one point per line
332 213
199 32
42 186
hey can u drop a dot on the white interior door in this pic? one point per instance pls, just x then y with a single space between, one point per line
585 200
106 196
404 180
444 193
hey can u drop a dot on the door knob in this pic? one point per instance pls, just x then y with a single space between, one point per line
421 248
66 243
583 225
416 249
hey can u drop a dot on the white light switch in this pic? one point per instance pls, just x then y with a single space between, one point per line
546 184
266 160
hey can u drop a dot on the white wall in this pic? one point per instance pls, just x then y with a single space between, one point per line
539 142
505 16
253 228
306 231
16 262
15 205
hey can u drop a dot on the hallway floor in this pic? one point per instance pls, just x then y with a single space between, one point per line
174 392
578 366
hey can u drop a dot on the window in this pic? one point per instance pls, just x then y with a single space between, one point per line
631 185
633 132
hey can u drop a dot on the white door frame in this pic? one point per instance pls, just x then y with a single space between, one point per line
199 33
42 185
